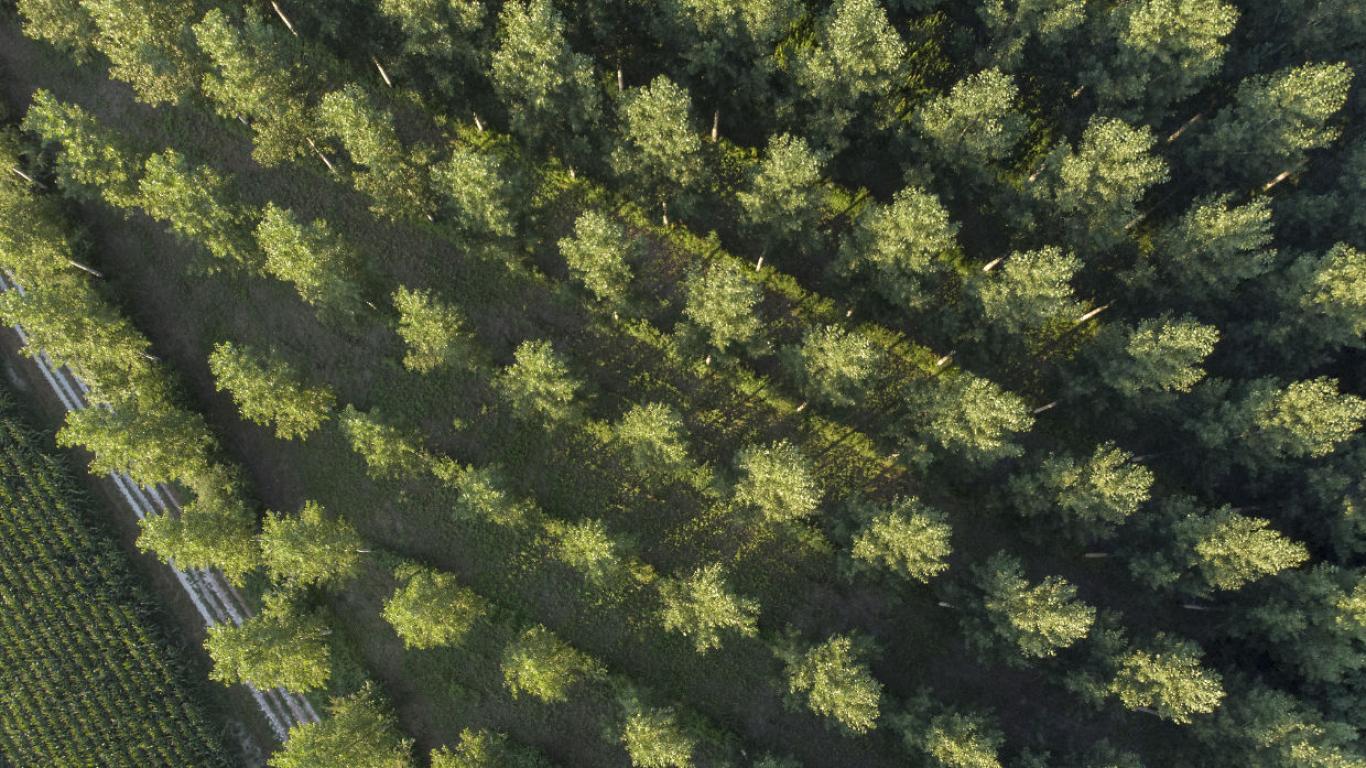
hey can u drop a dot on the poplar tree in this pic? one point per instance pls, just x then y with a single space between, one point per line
777 480
1312 620
63 23
486 749
905 245
721 300
1273 122
396 186
783 201
905 537
213 531
702 606
588 548
389 453
253 75
445 36
659 153
148 44
1013 24
148 439
357 732
833 682
308 548
472 185
1167 679
1204 258
433 332
543 666
1327 295
597 256
323 269
547 88
92 161
196 203
267 390
430 608
654 739
283 646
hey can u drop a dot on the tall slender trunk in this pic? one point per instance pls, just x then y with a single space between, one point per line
715 125
283 18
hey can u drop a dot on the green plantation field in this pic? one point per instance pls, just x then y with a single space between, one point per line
770 384
89 676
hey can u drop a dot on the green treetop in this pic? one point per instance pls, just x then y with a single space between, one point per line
472 185
904 537
148 44
976 123
547 88
149 439
198 206
430 609
1167 680
1274 121
904 245
1203 257
722 300
432 331
1165 51
357 733
1038 620
213 531
660 153
538 383
486 749
545 667
834 683
782 203
777 480
654 739
252 76
1013 24
397 187
597 257
1265 728
856 59
1032 294
63 23
1329 293
970 416
389 453
281 647
1097 186
655 438
92 161
588 548
1270 424
308 548
1313 620
955 739
834 365
1092 497
482 495
1158 355
322 268
267 390
702 606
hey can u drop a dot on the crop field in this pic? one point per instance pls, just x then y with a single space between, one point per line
89 679
609 383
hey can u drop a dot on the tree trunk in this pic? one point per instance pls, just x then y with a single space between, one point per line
621 79
478 124
715 125
321 156
758 265
283 18
665 207
84 268
382 73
